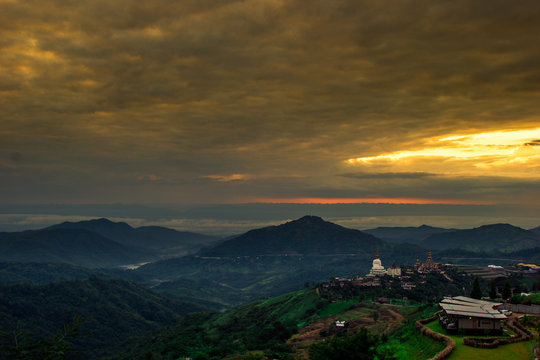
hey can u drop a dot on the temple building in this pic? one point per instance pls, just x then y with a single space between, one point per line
429 265
377 269
394 270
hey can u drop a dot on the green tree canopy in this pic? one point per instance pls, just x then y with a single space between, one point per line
507 290
361 346
492 290
476 292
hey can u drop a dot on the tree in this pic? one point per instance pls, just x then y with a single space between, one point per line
476 292
20 344
361 346
492 290
375 316
507 290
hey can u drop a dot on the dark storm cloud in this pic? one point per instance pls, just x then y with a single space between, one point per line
161 94
15 156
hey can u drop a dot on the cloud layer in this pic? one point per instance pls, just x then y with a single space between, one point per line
231 101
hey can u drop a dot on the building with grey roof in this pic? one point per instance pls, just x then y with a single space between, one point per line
462 312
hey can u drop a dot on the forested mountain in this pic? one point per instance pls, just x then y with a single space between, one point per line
496 237
411 235
116 310
536 230
309 235
44 273
74 246
260 325
298 252
151 237
270 261
291 325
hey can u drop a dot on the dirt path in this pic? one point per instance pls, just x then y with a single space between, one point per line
361 316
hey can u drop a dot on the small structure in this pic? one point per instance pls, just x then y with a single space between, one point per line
407 285
394 270
377 269
462 312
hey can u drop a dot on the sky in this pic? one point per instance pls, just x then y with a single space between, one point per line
199 103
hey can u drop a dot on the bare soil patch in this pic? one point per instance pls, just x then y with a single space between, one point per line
361 316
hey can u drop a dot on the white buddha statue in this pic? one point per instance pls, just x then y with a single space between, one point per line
377 269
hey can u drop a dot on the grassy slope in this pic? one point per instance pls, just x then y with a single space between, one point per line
521 350
408 343
334 308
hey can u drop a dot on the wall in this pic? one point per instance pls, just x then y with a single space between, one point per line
480 324
528 309
450 344
490 343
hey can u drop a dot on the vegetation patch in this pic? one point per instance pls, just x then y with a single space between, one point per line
407 342
521 350
337 307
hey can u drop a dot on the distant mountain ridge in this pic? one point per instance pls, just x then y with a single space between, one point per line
495 237
150 237
536 230
74 246
98 243
408 234
309 235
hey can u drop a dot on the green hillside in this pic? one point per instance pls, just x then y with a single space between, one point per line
287 326
261 325
116 309
246 279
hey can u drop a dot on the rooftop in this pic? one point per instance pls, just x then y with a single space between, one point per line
464 306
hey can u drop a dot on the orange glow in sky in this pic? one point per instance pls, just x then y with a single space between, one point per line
318 200
507 145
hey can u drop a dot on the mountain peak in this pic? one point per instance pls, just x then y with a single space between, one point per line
307 235
498 225
101 221
310 219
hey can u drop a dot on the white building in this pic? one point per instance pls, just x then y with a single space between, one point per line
377 269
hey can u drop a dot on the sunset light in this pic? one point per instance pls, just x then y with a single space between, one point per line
194 103
268 179
484 150
369 200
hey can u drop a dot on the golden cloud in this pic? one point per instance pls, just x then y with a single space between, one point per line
231 177
504 152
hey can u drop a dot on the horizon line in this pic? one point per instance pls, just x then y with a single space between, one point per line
384 201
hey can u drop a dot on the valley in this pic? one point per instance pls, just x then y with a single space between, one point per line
226 300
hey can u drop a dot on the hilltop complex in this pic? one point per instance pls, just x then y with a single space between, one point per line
423 268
